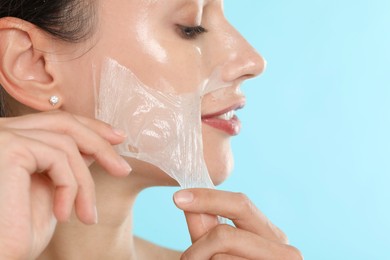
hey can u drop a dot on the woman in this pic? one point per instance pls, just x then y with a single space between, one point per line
55 157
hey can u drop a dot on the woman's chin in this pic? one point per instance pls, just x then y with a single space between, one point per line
217 153
220 167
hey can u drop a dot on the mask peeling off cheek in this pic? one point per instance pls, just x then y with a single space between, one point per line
163 129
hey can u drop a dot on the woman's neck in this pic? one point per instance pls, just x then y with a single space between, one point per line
112 237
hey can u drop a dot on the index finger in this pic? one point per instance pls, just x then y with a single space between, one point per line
234 206
93 137
63 122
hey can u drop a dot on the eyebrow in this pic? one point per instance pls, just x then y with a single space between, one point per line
188 4
191 6
197 3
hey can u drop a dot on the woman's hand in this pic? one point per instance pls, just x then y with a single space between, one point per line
253 237
44 174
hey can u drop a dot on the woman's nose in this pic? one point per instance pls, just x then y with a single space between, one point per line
243 60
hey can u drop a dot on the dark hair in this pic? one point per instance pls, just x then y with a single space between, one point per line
67 20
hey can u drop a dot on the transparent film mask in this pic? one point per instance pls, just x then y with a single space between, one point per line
163 129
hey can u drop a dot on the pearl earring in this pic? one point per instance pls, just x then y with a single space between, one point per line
54 100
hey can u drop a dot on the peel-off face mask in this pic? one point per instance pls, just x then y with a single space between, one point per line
163 128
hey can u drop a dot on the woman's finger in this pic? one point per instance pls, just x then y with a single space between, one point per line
199 224
227 257
51 121
234 206
227 240
25 156
85 204
85 132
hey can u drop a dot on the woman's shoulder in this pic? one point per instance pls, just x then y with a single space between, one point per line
147 250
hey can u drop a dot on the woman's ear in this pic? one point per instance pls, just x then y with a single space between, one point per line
25 72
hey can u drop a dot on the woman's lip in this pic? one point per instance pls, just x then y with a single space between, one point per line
232 126
234 107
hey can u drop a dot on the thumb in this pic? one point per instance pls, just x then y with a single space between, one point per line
199 224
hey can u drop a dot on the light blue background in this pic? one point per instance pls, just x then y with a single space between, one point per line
314 154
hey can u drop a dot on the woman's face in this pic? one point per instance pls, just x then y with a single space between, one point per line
175 44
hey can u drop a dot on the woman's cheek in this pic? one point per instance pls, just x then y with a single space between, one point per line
78 86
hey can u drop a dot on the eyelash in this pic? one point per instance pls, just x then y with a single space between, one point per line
191 32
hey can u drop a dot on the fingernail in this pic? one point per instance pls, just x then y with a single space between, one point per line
119 132
183 197
125 165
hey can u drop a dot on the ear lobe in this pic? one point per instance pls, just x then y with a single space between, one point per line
23 69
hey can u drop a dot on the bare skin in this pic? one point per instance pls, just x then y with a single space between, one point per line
60 180
59 174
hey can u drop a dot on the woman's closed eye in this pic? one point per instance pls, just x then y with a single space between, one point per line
191 32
